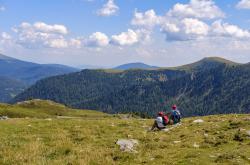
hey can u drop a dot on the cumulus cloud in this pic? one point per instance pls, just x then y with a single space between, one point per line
243 4
189 22
186 29
40 34
43 27
130 37
205 9
125 38
5 36
147 19
108 9
227 30
97 39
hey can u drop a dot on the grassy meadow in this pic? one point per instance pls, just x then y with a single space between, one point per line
36 135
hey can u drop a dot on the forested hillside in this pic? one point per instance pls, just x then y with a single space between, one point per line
9 88
210 86
17 75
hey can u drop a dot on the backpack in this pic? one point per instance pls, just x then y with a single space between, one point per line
165 120
176 116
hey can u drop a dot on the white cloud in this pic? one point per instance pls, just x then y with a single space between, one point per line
227 30
57 43
43 27
186 29
108 9
194 26
97 39
77 43
243 4
198 9
40 35
5 36
147 19
131 37
125 38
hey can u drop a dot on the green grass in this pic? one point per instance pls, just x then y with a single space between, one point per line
87 140
45 109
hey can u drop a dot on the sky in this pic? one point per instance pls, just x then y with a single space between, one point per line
107 33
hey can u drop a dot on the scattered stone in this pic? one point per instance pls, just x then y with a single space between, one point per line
247 119
212 156
196 145
166 129
175 142
38 139
48 119
205 134
127 145
248 132
129 136
198 121
29 125
4 117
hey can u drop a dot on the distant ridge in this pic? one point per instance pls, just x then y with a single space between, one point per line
137 65
205 63
209 86
30 72
16 75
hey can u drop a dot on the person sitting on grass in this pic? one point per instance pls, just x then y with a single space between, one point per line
160 122
175 115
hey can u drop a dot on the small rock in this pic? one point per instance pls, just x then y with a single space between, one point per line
166 129
29 125
212 156
247 119
206 135
196 145
127 145
129 136
4 117
48 119
198 121
175 142
248 132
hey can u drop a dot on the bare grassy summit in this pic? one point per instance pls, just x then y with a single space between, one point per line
36 135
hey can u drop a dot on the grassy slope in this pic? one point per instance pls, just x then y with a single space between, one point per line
87 141
44 109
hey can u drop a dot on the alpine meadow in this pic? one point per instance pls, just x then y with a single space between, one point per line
114 82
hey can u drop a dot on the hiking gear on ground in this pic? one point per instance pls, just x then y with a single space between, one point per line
165 120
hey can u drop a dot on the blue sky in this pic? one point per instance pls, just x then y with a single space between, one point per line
113 32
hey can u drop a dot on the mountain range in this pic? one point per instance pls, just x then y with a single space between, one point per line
16 75
137 65
210 86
